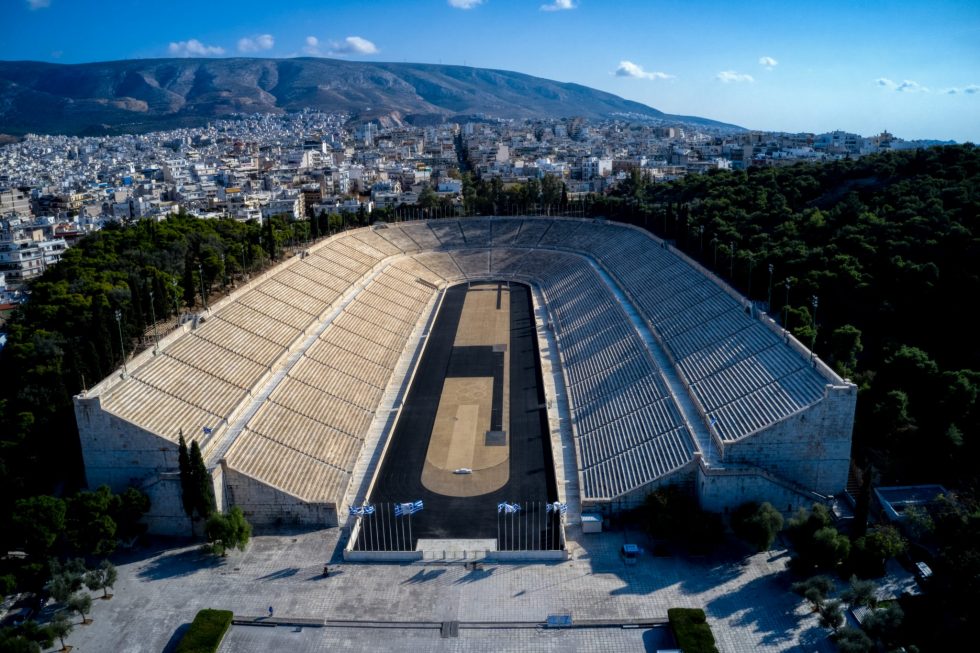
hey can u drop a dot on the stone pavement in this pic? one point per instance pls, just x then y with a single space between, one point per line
748 601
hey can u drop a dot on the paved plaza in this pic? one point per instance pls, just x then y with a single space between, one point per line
498 606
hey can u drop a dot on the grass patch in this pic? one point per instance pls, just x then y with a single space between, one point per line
206 632
691 630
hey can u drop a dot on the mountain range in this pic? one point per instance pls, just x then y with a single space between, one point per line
151 94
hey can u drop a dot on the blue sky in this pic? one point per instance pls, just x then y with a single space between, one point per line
910 67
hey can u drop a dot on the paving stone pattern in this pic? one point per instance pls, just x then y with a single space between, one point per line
748 602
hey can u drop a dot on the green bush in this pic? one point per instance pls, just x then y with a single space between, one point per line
757 524
691 630
206 632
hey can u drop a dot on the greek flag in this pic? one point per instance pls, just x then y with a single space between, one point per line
207 430
507 508
714 420
362 510
410 508
560 508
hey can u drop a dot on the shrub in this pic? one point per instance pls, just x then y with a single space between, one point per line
225 531
691 630
852 640
206 632
815 589
757 524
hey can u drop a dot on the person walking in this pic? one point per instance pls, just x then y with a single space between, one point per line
270 612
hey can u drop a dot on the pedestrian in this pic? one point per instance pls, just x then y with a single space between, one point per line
326 571
270 612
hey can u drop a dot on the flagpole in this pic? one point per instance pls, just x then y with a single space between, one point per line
498 530
390 543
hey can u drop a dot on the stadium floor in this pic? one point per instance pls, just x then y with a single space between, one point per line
531 480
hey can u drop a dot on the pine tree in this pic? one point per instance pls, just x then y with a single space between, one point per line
203 490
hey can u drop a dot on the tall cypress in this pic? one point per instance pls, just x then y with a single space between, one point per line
203 488
186 480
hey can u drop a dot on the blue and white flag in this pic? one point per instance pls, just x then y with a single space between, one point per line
560 508
361 510
207 430
409 508
507 508
713 420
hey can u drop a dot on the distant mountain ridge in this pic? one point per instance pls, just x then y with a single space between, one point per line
148 94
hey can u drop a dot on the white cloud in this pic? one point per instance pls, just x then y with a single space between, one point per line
972 89
768 62
353 45
38 4
256 43
906 86
464 4
558 5
630 69
312 46
730 76
194 48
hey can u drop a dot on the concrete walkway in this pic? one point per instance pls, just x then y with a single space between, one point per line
748 602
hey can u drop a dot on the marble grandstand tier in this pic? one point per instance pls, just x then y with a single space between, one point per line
291 384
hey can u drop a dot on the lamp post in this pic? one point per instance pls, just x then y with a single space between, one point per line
153 316
813 340
731 264
122 344
243 260
200 273
701 237
750 277
769 300
224 270
176 306
786 306
715 241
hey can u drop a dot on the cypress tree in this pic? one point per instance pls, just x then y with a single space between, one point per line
203 490
186 480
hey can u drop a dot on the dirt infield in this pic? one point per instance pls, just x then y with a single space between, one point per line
458 440
445 420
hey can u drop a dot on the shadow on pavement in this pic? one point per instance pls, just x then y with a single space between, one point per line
282 573
424 575
175 638
182 563
765 604
475 575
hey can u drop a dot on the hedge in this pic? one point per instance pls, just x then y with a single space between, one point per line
691 630
206 632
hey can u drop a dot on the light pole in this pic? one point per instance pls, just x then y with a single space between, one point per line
701 237
176 305
200 273
731 264
769 300
153 316
122 344
813 340
224 270
243 260
715 241
786 306
750 277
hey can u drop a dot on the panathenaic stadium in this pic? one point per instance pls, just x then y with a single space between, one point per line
474 361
